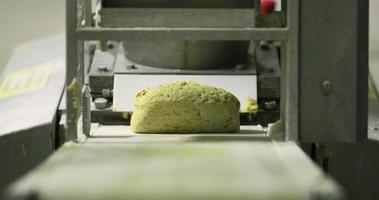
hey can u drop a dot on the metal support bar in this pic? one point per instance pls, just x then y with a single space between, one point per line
71 71
88 13
86 110
290 70
193 33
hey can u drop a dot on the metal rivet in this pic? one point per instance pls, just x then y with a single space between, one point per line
101 103
326 87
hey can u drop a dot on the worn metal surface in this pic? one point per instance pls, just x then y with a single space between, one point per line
334 52
191 33
72 72
269 73
275 19
197 55
290 72
99 80
178 167
174 17
179 4
28 120
123 65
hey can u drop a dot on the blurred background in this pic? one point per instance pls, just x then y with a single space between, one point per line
25 20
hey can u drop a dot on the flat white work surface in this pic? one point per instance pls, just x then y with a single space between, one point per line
126 86
143 166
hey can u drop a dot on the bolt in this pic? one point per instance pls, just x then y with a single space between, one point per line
269 105
102 68
376 129
326 87
101 103
131 67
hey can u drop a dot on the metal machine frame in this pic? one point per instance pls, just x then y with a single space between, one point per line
324 70
80 29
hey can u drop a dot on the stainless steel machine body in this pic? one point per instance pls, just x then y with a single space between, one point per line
301 57
194 45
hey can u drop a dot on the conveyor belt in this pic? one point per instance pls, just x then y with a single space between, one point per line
243 166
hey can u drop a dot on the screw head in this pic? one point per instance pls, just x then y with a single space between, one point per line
326 87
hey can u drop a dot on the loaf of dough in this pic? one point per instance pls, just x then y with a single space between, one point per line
185 107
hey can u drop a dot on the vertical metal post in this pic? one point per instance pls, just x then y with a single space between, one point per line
290 71
86 110
71 70
88 13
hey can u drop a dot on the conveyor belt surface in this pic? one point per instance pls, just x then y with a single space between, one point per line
241 166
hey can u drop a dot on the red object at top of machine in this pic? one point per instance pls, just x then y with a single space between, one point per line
267 6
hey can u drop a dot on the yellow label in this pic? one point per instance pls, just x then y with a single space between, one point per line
25 80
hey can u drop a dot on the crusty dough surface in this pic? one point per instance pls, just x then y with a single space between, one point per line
185 107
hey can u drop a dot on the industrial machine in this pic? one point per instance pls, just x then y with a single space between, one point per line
307 71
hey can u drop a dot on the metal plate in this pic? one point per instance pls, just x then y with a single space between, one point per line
333 50
175 17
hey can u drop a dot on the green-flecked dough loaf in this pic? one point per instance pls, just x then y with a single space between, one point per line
185 107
